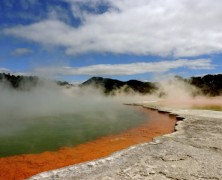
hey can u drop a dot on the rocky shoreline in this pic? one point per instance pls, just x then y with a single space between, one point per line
193 151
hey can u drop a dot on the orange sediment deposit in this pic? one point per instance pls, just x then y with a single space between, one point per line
24 166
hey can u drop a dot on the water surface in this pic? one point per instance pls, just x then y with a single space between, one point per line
48 133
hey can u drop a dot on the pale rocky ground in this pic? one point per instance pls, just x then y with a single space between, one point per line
194 151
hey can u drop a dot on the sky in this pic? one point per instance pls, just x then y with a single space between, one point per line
148 40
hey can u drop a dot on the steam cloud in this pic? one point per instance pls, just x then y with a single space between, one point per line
179 93
49 100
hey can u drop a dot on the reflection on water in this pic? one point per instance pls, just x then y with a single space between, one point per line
46 133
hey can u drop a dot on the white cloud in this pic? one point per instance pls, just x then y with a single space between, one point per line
16 73
128 69
142 27
21 51
4 70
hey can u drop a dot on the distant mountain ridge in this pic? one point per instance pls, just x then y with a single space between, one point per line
18 81
25 82
111 85
210 85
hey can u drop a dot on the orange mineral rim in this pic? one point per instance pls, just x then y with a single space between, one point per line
23 166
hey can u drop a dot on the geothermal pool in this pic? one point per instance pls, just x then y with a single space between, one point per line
136 125
49 133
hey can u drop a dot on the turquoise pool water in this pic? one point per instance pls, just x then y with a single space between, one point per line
51 132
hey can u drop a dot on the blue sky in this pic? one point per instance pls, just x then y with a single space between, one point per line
74 40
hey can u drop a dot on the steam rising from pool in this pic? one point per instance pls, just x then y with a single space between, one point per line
179 93
48 117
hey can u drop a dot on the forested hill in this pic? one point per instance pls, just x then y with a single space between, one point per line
17 81
24 82
209 84
110 86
